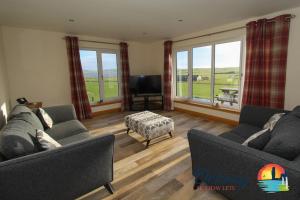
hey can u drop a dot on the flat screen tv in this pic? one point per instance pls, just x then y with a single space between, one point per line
140 84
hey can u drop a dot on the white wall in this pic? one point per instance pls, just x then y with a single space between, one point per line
145 58
292 93
4 97
37 65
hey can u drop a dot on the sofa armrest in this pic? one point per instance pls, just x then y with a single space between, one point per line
61 113
63 173
257 116
214 157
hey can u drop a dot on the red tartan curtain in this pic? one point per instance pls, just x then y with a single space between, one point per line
125 76
266 58
78 91
168 68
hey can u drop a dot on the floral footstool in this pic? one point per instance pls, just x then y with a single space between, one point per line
149 125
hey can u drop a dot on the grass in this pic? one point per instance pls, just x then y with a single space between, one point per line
111 88
224 78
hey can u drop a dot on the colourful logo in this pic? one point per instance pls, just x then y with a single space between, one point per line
272 178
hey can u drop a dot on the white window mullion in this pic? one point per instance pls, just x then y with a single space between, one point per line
100 70
190 73
241 75
212 82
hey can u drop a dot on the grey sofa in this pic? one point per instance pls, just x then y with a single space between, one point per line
82 164
224 161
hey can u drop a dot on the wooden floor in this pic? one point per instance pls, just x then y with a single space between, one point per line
163 171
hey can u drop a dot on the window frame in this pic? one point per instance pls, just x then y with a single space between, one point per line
99 52
175 74
213 44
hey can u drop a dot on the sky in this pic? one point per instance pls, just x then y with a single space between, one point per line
89 60
226 55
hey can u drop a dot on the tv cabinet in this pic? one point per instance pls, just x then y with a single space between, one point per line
146 102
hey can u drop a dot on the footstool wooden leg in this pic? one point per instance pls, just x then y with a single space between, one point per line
148 142
170 133
128 129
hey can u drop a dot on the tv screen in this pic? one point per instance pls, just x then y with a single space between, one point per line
150 84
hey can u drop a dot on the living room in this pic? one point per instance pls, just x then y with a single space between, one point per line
156 86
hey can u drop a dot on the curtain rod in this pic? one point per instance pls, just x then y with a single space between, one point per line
218 32
93 41
113 43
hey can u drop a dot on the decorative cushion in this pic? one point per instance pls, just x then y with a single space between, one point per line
45 141
260 141
260 134
45 118
17 139
285 138
254 136
273 121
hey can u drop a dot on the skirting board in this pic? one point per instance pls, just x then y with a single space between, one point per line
103 112
210 117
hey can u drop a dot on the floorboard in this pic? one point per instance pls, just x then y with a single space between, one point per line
162 171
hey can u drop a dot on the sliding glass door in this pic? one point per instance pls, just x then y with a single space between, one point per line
210 73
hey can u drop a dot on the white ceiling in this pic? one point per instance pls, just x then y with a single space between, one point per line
129 19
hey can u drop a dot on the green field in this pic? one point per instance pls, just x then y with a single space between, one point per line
224 78
111 88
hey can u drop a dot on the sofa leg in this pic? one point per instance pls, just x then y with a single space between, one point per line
109 188
170 133
148 143
197 183
128 129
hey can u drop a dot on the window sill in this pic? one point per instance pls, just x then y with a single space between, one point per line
105 103
202 105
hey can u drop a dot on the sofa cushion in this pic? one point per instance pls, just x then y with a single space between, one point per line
74 138
30 118
17 110
297 159
296 111
66 129
233 137
285 138
17 139
260 141
245 130
1 157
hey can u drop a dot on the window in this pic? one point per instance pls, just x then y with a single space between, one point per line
182 74
101 74
202 73
210 73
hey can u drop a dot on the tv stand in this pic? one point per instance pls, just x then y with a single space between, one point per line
146 102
